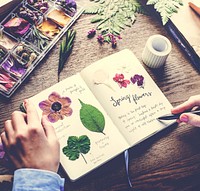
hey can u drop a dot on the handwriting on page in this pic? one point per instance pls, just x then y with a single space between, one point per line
141 116
73 89
135 98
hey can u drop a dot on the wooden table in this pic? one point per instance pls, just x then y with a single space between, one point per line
168 161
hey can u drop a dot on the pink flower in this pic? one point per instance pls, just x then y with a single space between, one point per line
119 78
56 107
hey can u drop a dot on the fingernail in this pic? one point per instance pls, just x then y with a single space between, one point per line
25 102
184 118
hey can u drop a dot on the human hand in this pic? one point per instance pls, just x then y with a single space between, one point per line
192 103
29 142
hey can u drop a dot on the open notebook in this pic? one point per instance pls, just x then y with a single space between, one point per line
100 112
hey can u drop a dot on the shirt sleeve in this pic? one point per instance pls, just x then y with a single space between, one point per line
27 179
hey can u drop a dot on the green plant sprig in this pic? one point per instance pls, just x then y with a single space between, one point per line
113 16
66 49
166 8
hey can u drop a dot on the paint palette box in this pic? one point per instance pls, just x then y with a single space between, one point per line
27 34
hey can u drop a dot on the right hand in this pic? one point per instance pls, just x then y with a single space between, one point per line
192 103
29 142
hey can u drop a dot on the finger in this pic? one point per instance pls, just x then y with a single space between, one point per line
18 120
4 140
49 129
191 119
32 115
51 135
9 131
193 101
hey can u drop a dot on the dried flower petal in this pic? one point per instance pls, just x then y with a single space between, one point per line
13 67
139 79
17 26
119 78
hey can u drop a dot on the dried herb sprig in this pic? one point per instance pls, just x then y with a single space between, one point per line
37 38
66 49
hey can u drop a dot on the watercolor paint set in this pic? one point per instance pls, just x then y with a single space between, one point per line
27 34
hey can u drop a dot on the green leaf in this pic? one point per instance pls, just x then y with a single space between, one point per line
65 49
113 16
92 118
166 8
96 19
76 146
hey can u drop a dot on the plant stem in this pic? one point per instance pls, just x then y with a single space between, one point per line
84 158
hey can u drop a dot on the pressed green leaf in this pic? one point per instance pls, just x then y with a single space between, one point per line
76 146
92 118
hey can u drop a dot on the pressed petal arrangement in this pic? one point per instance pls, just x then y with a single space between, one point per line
56 107
123 83
29 32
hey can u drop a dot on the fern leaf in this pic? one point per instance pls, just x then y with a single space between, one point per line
166 8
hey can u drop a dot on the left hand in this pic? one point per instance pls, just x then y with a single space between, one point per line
29 142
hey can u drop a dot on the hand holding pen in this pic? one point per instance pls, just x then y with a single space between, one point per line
187 113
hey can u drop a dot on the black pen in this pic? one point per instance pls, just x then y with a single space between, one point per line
176 116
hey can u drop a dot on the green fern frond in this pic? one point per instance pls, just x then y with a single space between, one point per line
166 8
113 16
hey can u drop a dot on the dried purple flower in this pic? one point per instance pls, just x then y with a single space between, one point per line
71 3
91 33
14 67
139 79
113 40
100 39
2 151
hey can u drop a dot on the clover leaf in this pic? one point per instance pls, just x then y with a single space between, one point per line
77 146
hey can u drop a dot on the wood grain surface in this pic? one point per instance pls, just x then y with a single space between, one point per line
170 160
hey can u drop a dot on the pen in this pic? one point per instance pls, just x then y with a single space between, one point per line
176 116
195 8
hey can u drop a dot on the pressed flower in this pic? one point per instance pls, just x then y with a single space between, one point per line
69 6
48 28
59 17
6 82
91 33
56 107
119 78
13 67
41 5
100 39
32 16
139 79
18 26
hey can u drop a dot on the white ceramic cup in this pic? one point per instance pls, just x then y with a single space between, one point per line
156 51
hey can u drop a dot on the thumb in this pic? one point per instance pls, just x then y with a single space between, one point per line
191 119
